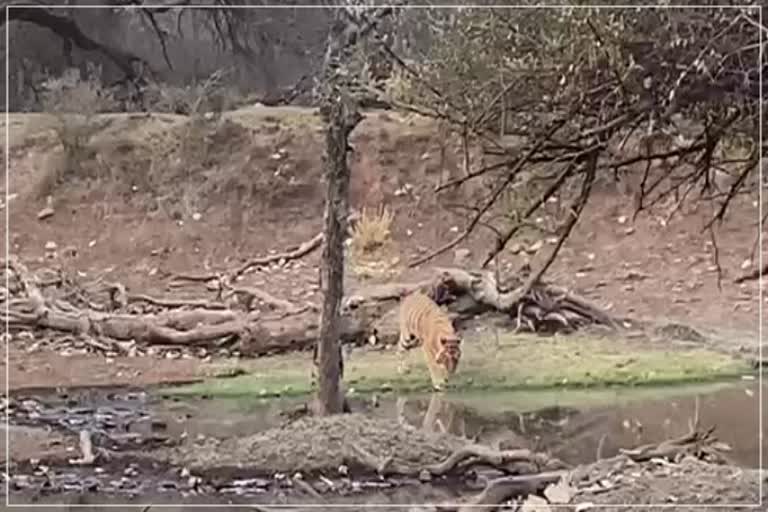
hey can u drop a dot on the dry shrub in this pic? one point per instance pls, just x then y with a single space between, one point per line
74 103
210 96
372 230
372 250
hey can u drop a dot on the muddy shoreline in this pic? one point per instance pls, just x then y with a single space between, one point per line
150 450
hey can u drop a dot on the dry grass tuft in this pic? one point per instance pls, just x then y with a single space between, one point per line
372 230
372 251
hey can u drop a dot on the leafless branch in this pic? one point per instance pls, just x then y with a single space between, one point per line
499 189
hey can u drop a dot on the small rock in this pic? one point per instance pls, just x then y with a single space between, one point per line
629 230
196 216
535 503
746 264
425 476
51 245
622 219
45 213
534 248
460 256
634 275
559 493
516 248
454 229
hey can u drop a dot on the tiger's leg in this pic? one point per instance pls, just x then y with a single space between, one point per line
431 417
436 375
402 348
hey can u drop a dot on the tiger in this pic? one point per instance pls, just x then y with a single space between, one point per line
423 322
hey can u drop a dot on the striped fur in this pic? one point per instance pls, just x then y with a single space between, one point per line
423 322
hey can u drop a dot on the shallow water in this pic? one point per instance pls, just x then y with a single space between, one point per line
575 426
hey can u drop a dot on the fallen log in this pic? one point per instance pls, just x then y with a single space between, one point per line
251 335
222 322
469 293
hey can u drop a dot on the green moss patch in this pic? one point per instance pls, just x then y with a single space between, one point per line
514 362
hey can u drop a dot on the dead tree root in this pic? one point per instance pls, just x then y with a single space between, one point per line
701 444
460 461
501 490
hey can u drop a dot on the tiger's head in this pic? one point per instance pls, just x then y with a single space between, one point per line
449 353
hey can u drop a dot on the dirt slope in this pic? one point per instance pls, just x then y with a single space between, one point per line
157 195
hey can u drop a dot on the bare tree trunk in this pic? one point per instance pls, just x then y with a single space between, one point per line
341 117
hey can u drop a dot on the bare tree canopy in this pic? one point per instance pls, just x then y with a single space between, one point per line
544 91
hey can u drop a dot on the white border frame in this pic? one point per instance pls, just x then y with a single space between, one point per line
761 59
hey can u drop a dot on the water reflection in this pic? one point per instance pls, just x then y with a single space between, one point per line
582 434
